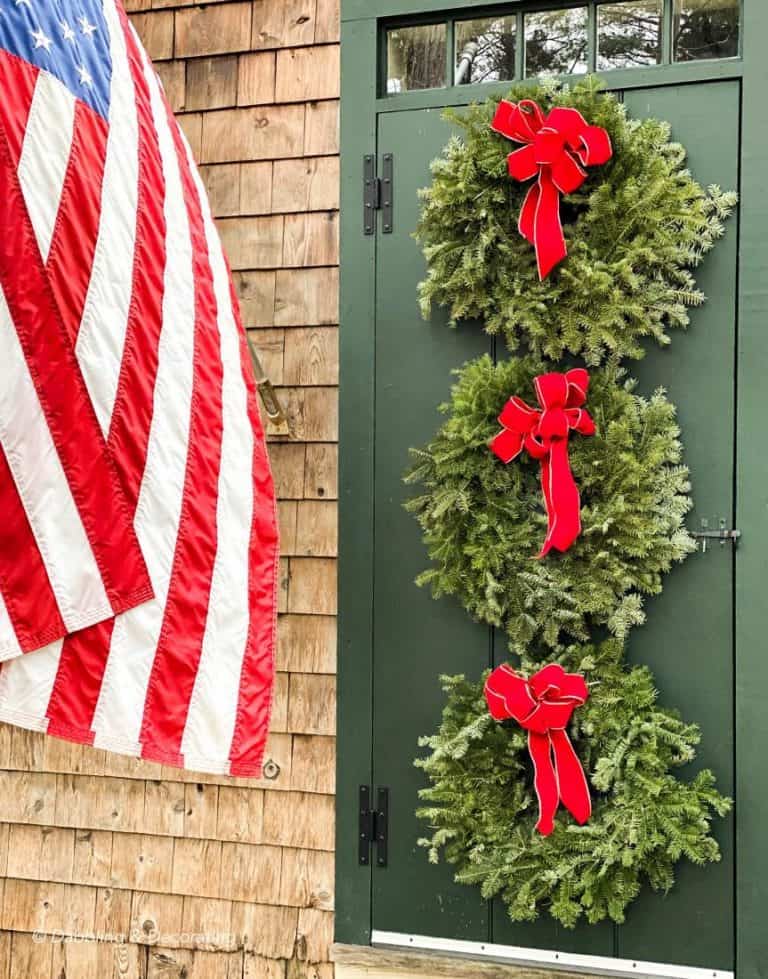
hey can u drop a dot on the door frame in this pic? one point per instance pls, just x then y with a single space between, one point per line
360 106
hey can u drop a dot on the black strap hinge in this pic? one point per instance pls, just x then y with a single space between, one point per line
373 826
378 193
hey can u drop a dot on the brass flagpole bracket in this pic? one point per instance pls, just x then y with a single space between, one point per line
267 392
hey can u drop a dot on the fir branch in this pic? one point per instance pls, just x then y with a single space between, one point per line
481 807
634 231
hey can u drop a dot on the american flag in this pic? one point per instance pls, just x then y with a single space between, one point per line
138 536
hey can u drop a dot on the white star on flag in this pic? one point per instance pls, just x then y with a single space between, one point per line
67 33
87 28
40 39
84 75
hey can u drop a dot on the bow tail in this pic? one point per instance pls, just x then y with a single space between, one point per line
573 788
547 229
544 780
561 495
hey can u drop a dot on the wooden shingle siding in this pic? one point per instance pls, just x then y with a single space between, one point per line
180 874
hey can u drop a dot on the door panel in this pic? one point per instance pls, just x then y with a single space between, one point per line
415 638
688 639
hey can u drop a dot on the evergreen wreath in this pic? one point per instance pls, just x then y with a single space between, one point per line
483 522
481 806
635 231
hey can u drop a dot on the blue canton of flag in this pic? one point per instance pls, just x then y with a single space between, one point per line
68 38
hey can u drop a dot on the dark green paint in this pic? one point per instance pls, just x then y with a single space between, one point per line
752 510
353 884
688 639
394 639
415 638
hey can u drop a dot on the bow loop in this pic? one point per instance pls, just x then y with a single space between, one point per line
557 148
544 435
578 386
522 164
543 705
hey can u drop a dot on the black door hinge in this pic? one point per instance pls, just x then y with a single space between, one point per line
373 826
377 193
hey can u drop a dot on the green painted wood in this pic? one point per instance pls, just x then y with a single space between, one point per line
415 638
752 510
688 639
364 9
390 656
618 80
353 883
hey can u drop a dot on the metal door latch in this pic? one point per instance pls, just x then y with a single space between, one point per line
723 534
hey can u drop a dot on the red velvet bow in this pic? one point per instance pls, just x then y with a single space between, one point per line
558 148
543 706
544 434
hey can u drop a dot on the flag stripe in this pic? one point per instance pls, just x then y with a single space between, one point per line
131 418
42 485
30 599
8 639
213 706
17 83
120 708
77 681
256 683
45 155
85 654
25 687
60 395
74 243
100 350
179 648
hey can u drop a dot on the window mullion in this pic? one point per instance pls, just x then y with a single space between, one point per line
666 32
592 36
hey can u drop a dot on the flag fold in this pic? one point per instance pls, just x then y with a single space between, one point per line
138 532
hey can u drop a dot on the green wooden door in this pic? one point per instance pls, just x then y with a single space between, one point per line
688 641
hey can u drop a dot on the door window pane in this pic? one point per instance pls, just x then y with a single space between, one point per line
485 50
629 34
416 58
706 29
556 42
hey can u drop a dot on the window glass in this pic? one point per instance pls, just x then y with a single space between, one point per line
706 29
416 58
485 50
629 34
556 42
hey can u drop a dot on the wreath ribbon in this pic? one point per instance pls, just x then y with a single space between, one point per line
558 147
543 706
544 435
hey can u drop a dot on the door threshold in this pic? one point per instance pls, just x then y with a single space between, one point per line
597 965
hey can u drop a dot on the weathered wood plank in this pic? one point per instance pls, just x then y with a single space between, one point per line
256 82
306 879
215 29
298 819
280 23
306 74
306 643
363 962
